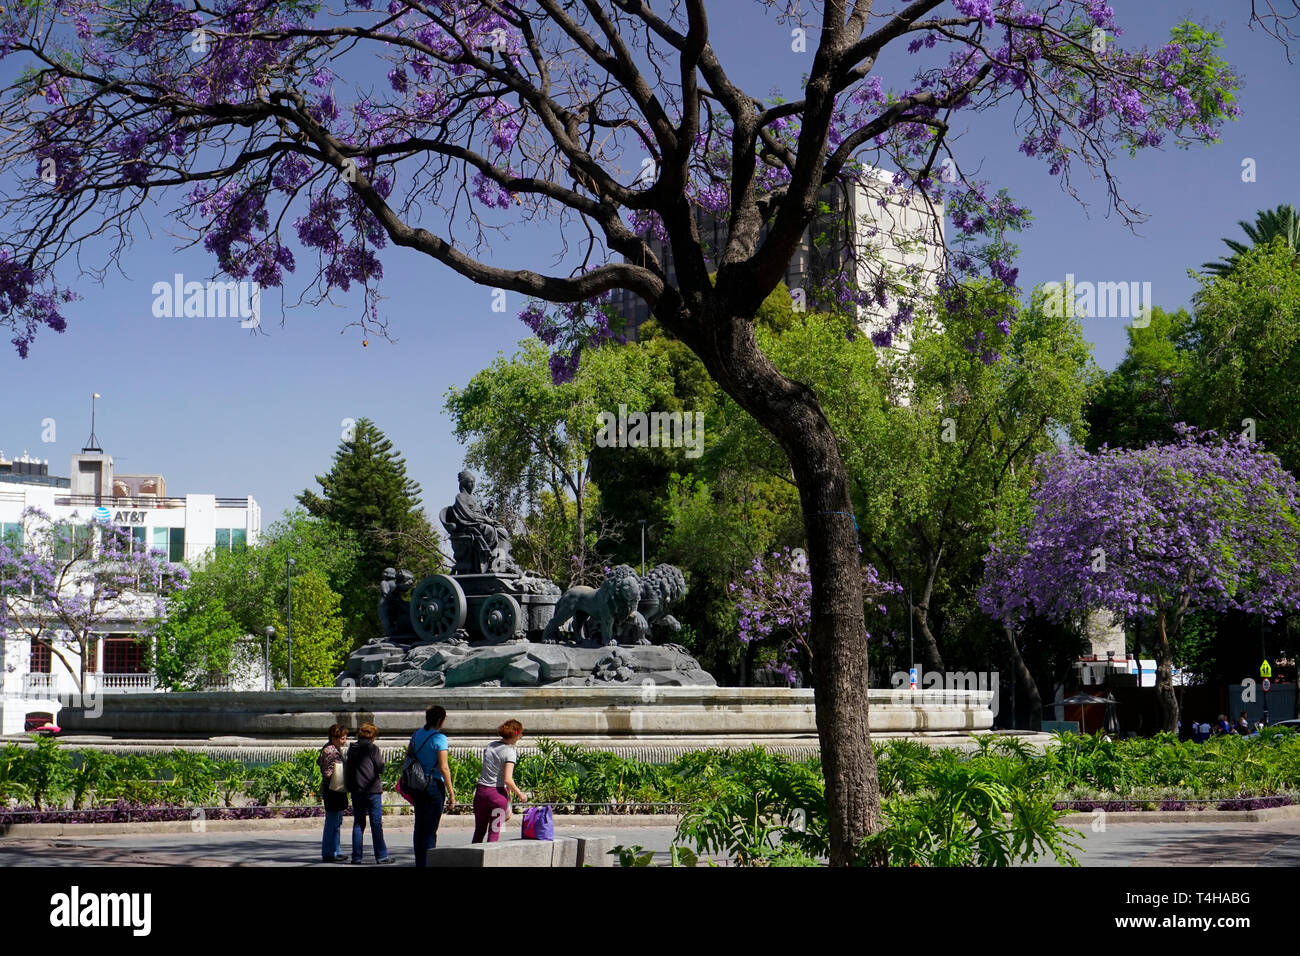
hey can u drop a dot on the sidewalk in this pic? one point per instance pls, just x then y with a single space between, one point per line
278 847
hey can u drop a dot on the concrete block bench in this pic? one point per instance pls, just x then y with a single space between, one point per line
562 851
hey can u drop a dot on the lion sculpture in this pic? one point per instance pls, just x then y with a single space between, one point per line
610 613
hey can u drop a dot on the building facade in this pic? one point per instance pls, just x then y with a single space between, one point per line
186 528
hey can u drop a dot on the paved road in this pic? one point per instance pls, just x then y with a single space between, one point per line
1190 844
1119 845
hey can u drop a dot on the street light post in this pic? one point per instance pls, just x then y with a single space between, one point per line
266 657
642 547
288 577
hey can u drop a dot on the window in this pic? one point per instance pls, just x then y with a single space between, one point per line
11 534
40 658
74 541
139 539
92 655
124 654
231 539
170 541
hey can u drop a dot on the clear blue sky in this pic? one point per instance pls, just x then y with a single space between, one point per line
216 409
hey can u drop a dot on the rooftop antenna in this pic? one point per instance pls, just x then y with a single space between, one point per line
92 444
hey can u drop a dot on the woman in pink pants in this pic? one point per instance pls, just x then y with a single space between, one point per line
496 783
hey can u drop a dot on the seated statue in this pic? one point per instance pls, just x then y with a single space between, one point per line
469 523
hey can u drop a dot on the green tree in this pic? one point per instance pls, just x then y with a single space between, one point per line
217 626
1281 223
932 435
1139 402
200 637
368 491
319 644
718 522
530 436
1245 339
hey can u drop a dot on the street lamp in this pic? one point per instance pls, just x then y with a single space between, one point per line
269 635
288 577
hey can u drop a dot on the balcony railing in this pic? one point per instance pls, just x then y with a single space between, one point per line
126 683
138 501
109 501
38 685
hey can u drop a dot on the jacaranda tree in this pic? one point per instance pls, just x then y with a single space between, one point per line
774 607
64 583
433 124
1198 524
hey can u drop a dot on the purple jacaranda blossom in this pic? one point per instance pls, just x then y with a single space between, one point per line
1201 523
64 581
221 64
774 605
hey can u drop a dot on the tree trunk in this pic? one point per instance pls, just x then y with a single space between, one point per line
1026 681
921 613
1165 678
929 646
580 548
791 413
839 648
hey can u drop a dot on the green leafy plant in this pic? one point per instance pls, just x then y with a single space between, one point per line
46 770
634 855
765 801
968 813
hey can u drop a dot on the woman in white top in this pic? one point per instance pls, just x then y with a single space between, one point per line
496 783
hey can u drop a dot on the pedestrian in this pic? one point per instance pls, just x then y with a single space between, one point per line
333 793
1221 726
364 769
429 746
496 783
1243 725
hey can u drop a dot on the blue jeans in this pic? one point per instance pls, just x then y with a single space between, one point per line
428 812
330 841
368 805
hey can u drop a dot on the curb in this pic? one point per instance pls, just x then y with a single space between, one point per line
458 821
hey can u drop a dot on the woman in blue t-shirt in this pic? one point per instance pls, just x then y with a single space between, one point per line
430 748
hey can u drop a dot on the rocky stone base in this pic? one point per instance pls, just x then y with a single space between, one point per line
384 663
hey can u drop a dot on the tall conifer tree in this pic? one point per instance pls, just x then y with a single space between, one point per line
369 491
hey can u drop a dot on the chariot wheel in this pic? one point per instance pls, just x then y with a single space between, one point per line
498 617
438 608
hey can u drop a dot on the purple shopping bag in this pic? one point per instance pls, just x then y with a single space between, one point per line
539 824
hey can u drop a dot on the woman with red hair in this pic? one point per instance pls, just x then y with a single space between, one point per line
496 783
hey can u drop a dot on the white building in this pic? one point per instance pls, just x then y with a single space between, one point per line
186 528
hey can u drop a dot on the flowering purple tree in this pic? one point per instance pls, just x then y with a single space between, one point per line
774 601
1197 524
462 118
64 583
